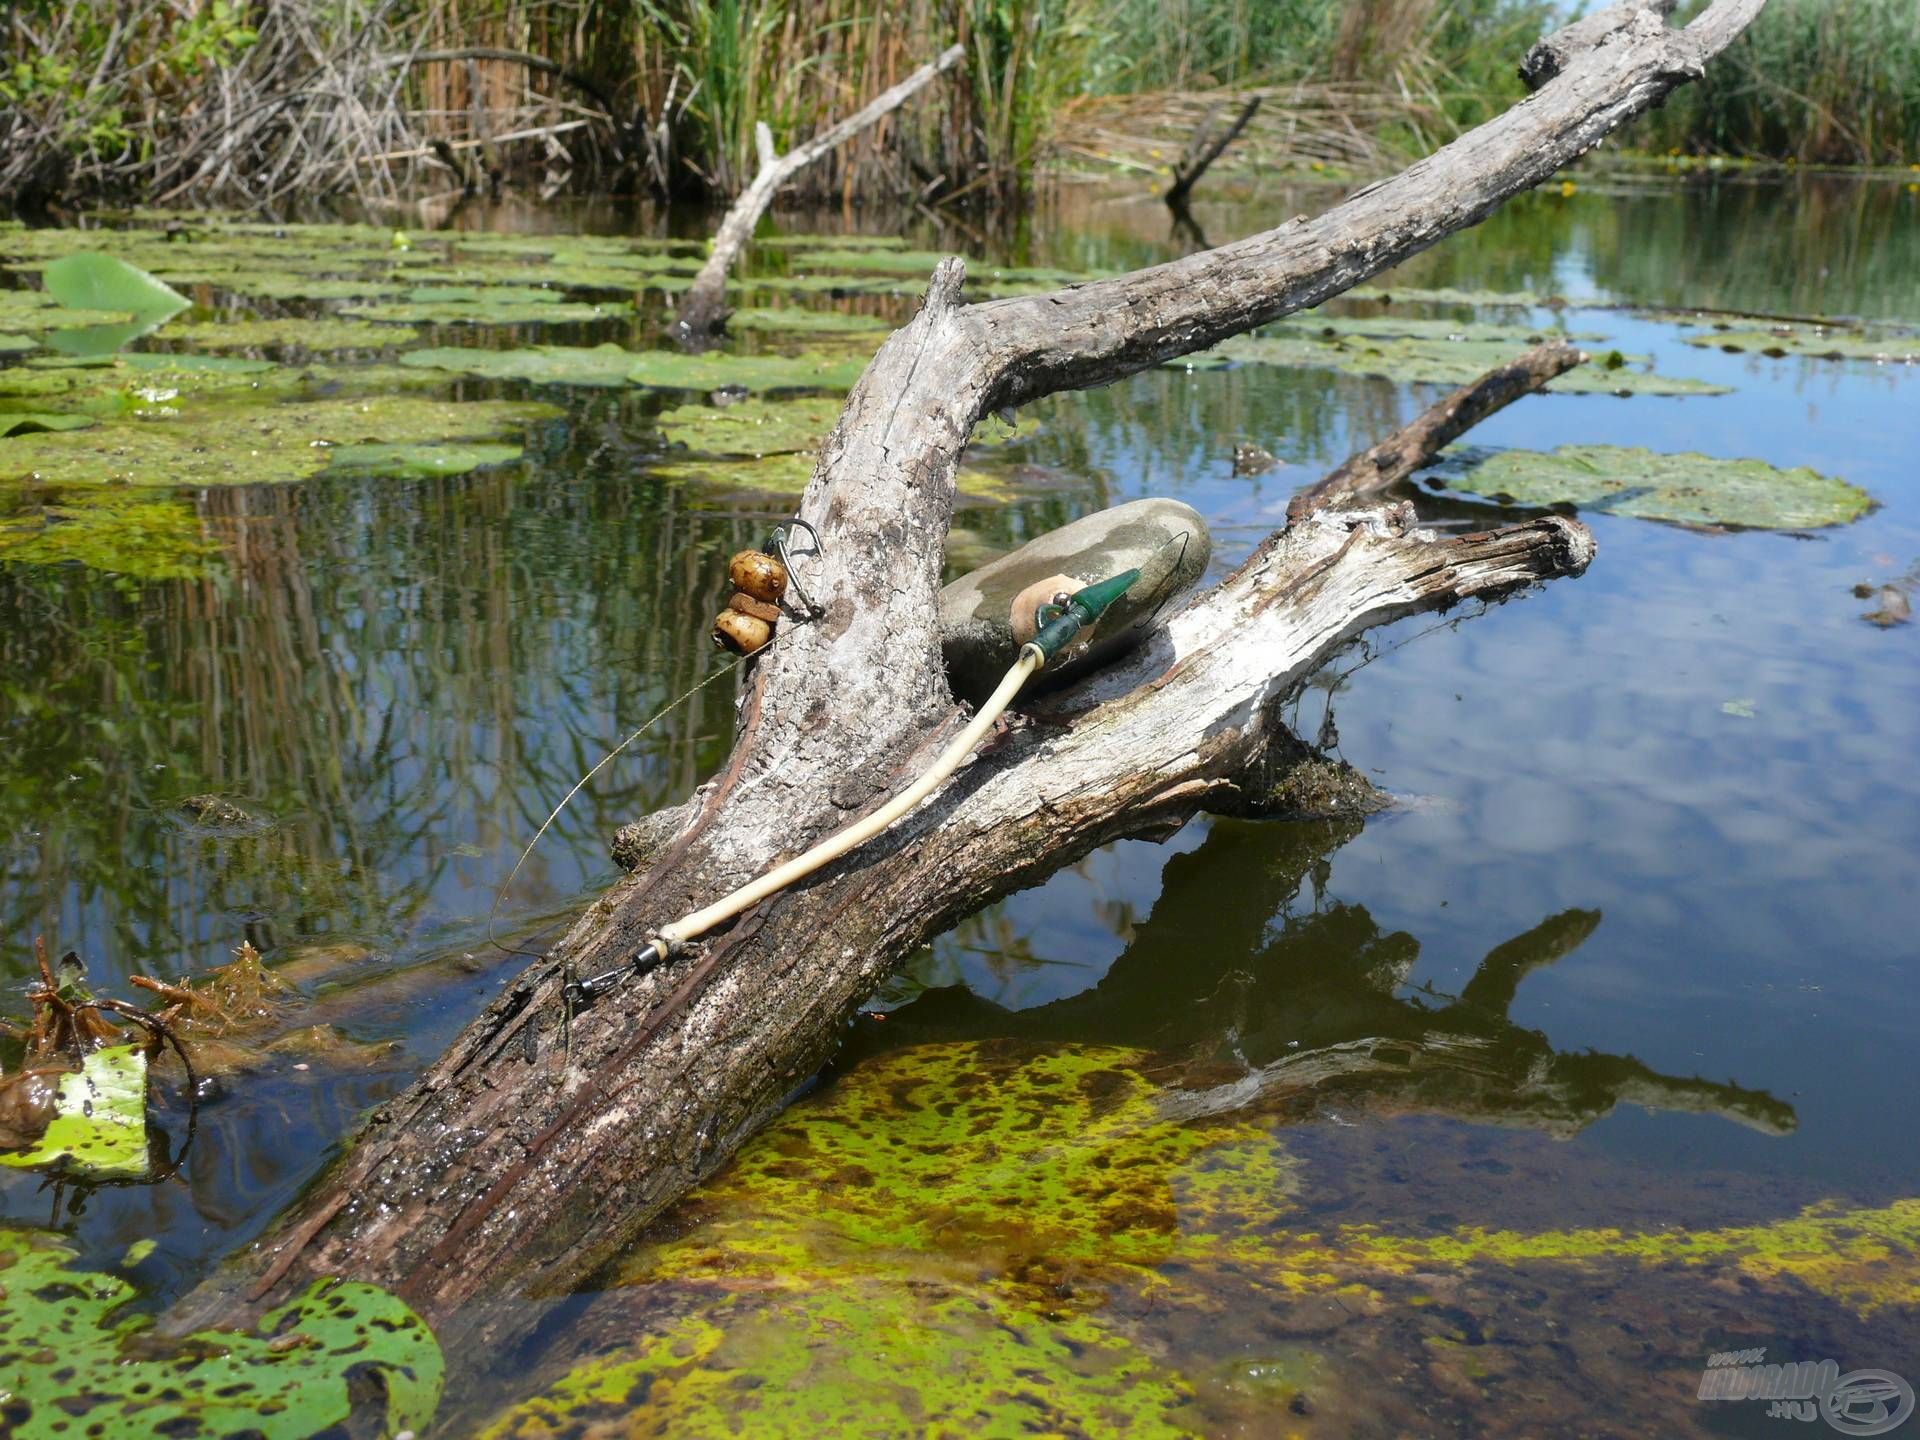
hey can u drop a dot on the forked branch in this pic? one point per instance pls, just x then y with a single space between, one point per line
703 308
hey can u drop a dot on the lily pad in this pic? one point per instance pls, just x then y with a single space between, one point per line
483 312
598 365
319 333
406 460
796 321
829 242
874 259
26 422
99 1125
15 344
1415 327
1815 343
228 445
661 369
1445 295
751 427
1684 489
32 310
78 1359
92 281
1441 362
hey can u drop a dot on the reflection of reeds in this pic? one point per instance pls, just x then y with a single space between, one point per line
398 675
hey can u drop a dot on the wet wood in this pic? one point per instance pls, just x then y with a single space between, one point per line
517 1166
1202 151
703 309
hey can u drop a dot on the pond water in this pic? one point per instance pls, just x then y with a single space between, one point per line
1589 1059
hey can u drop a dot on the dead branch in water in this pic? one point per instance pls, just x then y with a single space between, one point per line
513 1165
703 309
1201 152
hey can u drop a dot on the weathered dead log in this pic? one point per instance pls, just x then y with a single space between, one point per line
1437 427
1202 150
703 309
512 1164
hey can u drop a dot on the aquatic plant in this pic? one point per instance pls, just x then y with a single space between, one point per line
1683 489
80 1361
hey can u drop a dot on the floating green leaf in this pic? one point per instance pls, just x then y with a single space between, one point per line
1413 327
796 321
481 312
1815 343
323 332
751 427
829 242
598 365
235 445
420 459
77 1360
662 369
99 1125
1439 362
91 281
32 310
1685 489
1445 295
15 344
26 422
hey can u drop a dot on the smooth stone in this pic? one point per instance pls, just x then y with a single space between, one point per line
976 611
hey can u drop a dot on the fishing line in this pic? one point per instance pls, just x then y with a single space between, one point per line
579 785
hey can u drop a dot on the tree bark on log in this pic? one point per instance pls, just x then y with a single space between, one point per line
1200 154
515 1166
703 309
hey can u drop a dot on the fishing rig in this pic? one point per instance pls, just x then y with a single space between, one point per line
1047 618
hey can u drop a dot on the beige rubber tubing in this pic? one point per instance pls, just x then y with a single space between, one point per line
861 831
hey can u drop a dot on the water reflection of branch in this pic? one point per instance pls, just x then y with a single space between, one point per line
1273 1003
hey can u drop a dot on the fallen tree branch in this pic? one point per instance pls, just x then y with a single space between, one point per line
703 308
1200 154
511 1163
1437 427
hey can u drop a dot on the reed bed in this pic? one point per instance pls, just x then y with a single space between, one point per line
260 102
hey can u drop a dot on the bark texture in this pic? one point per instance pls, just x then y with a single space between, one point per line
511 1166
703 309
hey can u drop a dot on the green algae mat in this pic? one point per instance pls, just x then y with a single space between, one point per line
965 1238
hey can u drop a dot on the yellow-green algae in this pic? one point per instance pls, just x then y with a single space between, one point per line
77 1363
141 533
986 1147
864 1358
939 1232
1863 1258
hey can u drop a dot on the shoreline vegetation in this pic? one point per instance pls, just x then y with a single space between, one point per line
265 103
